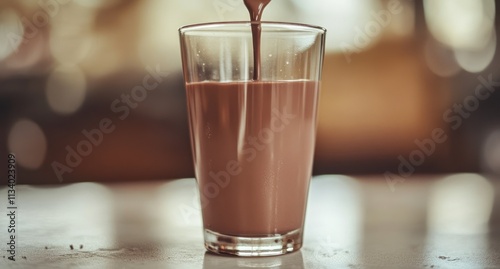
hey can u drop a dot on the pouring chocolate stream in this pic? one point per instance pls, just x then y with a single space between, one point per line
256 8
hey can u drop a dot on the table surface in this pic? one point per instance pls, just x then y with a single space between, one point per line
448 221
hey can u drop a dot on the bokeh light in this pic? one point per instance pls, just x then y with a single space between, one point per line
476 60
440 59
66 89
460 204
464 24
91 215
27 141
11 32
70 48
184 194
332 196
349 14
491 152
96 3
160 32
71 36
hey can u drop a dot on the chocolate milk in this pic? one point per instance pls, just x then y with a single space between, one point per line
256 8
253 144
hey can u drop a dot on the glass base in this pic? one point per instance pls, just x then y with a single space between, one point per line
271 245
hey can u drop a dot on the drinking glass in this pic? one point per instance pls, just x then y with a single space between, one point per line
252 140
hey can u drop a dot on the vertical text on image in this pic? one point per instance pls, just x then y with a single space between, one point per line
11 206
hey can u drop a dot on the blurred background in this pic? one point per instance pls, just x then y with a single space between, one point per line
92 90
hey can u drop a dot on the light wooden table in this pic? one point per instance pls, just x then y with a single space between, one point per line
449 221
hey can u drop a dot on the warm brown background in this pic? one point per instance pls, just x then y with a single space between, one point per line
64 76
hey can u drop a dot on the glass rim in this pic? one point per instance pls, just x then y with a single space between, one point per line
208 25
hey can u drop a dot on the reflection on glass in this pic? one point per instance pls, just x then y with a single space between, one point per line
289 261
334 220
460 204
